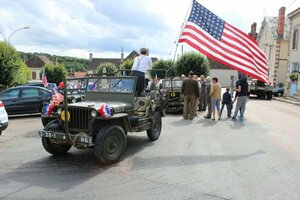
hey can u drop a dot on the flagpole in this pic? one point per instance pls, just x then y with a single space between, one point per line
189 10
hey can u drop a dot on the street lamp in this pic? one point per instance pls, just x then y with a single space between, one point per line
26 27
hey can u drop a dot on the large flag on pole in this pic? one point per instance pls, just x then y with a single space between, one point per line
222 42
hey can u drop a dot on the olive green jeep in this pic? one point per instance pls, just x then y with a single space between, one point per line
102 120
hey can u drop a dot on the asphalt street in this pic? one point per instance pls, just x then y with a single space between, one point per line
200 159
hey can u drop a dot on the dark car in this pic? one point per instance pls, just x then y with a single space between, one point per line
278 91
25 99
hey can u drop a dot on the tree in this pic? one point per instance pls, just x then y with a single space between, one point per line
9 63
127 65
55 72
106 68
192 61
167 67
22 75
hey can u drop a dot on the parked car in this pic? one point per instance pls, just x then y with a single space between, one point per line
3 118
25 99
172 92
278 91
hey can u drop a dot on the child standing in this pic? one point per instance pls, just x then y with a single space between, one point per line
226 100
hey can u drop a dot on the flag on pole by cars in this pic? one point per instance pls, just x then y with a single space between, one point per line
44 79
224 43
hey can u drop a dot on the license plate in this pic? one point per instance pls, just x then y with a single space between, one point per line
47 134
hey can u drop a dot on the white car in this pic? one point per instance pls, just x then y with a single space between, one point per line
3 118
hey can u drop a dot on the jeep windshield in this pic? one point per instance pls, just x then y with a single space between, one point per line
76 86
111 85
175 83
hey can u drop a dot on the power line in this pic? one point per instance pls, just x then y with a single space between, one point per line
292 3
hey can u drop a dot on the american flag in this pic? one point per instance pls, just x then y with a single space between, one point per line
222 42
57 97
44 79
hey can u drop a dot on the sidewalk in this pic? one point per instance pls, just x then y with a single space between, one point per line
289 99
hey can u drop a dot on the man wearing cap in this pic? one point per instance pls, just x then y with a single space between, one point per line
190 91
141 65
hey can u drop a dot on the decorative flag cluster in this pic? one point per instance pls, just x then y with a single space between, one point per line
57 98
104 110
222 42
44 79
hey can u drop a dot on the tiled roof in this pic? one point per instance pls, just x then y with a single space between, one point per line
37 61
272 23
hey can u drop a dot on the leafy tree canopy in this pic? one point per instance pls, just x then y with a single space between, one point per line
106 68
163 68
9 63
192 61
22 75
55 72
127 65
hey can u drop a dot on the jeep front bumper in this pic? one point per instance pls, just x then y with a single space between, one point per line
74 139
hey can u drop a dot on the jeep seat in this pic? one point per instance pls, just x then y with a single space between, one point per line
141 104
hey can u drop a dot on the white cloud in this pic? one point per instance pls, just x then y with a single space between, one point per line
77 27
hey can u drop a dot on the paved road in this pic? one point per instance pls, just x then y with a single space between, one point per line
199 159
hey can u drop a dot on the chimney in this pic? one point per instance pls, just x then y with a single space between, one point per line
91 57
253 32
281 19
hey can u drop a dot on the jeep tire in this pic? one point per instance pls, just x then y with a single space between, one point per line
49 146
154 132
110 143
269 95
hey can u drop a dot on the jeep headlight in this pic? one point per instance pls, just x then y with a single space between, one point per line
59 111
93 113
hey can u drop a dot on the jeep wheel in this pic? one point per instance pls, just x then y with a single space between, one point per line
279 94
45 121
49 146
154 132
269 96
110 142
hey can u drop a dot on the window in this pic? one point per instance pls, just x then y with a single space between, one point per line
11 94
30 92
295 39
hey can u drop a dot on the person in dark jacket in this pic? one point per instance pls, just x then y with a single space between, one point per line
226 100
190 91
207 97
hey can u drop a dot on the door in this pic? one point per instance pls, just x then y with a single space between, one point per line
11 101
30 99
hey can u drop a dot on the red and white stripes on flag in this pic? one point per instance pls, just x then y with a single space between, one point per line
224 43
44 79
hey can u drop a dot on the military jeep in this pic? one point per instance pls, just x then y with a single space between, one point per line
172 92
102 120
261 89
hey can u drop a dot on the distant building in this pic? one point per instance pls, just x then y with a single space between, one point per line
36 64
96 62
273 38
294 48
223 73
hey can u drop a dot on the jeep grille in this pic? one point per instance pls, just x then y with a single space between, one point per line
79 119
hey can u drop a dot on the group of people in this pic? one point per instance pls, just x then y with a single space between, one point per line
206 95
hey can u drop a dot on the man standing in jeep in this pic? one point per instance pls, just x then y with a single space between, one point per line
141 65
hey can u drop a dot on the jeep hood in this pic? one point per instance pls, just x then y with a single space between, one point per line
96 105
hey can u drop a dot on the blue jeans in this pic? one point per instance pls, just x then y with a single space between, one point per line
215 103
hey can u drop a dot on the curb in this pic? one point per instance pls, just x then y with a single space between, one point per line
286 101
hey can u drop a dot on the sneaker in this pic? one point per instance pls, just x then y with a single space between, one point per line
233 118
212 119
241 118
206 117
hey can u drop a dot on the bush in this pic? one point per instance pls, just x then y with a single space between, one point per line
107 68
167 67
294 76
192 61
9 63
22 75
55 72
127 65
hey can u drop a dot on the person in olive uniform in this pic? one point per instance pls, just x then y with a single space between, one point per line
190 91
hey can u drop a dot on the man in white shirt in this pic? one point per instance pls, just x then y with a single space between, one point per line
141 65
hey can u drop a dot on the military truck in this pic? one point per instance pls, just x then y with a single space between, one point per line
171 89
102 120
261 89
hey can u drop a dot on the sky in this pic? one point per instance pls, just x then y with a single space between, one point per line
104 28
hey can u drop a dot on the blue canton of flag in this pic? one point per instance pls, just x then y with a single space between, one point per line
208 21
